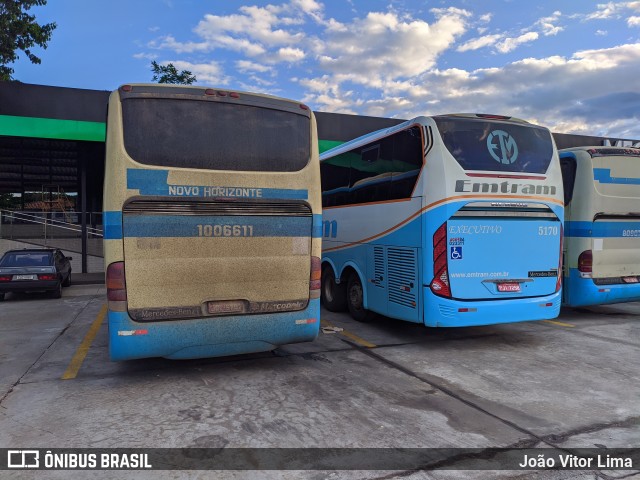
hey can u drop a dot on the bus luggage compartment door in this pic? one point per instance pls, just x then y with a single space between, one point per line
616 247
199 259
498 257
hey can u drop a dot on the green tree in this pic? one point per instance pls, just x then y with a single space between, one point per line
169 74
20 31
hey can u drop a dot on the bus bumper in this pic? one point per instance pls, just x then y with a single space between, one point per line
210 337
442 312
580 292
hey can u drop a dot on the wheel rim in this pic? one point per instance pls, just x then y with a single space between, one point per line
355 296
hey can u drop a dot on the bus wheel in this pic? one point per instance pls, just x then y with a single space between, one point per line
333 295
355 300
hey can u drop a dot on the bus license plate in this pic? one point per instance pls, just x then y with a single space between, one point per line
508 287
226 307
630 279
25 277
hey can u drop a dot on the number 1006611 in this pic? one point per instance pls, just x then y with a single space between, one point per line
225 230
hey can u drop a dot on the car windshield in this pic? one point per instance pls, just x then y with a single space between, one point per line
26 259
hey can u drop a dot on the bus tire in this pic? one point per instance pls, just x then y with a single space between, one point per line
332 295
355 300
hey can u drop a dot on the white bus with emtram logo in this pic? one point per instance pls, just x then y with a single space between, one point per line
451 220
602 229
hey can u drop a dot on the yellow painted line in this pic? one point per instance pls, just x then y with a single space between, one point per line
83 349
561 324
351 336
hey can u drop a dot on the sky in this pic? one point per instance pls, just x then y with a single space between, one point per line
570 65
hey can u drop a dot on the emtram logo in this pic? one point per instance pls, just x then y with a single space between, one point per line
23 459
502 147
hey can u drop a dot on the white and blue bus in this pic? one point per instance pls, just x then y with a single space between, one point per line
450 220
212 217
602 229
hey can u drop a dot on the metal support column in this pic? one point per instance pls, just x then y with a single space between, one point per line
83 201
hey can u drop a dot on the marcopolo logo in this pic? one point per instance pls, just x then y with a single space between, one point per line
502 147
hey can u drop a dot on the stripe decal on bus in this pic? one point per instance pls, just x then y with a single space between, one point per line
429 207
112 223
155 182
113 226
165 226
603 175
602 229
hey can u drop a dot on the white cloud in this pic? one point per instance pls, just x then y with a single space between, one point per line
170 43
288 54
633 21
255 23
609 10
145 56
385 45
548 24
592 92
246 66
509 44
480 42
207 73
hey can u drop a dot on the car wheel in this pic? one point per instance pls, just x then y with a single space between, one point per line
333 295
67 280
57 293
2 297
355 300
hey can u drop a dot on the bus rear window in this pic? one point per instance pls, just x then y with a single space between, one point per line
214 135
496 146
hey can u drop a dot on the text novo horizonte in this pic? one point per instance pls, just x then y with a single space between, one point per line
227 192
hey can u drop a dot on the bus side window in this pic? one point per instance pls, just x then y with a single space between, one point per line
371 172
335 175
407 162
568 166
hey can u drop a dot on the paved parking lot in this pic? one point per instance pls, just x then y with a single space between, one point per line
571 382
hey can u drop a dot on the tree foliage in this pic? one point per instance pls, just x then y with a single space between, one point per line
169 74
20 31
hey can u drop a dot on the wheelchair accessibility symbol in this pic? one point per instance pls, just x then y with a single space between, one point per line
456 253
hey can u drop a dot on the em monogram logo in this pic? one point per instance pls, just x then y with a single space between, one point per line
502 147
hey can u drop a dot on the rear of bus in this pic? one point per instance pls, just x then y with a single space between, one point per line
493 228
602 251
212 215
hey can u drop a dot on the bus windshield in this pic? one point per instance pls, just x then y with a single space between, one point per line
496 146
214 135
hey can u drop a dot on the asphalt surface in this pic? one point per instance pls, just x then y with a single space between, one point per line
568 383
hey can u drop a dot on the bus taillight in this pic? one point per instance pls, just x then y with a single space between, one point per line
315 277
116 287
559 281
585 262
440 283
